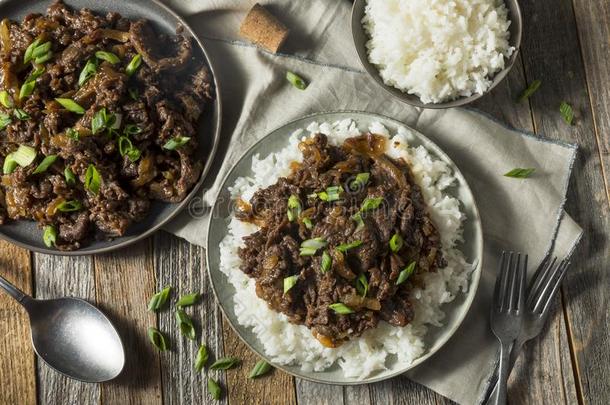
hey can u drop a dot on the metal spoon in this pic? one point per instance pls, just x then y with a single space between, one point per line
72 336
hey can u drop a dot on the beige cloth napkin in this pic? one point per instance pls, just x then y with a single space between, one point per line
524 215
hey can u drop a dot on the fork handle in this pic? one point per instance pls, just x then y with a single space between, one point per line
514 354
505 349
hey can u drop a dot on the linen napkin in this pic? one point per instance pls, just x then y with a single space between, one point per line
521 215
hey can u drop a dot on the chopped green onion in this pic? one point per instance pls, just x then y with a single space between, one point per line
5 99
21 114
5 120
49 236
102 120
344 247
362 285
157 339
132 129
261 368
73 134
202 358
332 193
185 324
70 206
93 179
371 203
290 282
296 81
127 148
88 71
341 308
396 243
28 55
225 363
133 65
44 58
327 262
294 207
133 93
41 50
308 223
519 173
108 57
159 299
176 142
567 112
360 181
70 105
188 300
214 389
310 246
531 89
45 164
9 164
406 273
69 176
27 88
24 155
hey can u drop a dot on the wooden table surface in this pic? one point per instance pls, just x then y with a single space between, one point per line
566 46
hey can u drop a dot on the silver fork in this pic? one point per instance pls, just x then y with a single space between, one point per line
507 312
540 294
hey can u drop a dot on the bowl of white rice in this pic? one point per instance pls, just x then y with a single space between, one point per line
385 351
437 53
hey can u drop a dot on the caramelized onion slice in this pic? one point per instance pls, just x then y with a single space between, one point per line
357 302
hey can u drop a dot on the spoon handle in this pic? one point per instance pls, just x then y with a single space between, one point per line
13 291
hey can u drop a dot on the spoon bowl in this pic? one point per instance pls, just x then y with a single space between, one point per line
72 336
76 339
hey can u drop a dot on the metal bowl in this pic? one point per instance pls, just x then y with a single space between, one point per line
361 38
27 234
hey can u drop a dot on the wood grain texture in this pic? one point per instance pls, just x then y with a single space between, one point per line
275 388
17 367
552 53
124 282
180 265
57 276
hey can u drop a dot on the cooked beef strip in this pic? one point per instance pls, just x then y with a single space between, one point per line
172 89
273 252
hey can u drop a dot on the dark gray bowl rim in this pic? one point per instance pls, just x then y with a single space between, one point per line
217 117
373 72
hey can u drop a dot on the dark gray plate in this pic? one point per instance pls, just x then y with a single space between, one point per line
361 38
223 210
27 234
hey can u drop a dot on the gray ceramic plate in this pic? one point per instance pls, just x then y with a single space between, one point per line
276 140
361 38
27 234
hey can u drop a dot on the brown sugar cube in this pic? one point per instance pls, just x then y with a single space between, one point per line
262 28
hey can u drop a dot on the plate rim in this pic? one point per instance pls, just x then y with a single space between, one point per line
473 284
217 125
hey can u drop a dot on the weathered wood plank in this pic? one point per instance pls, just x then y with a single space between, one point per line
553 55
309 393
181 265
124 282
57 276
275 388
17 367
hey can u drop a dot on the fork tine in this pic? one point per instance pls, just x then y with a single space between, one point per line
522 277
514 284
497 298
539 277
546 297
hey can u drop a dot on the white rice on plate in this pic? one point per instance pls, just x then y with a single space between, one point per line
438 50
287 343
